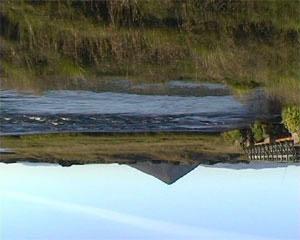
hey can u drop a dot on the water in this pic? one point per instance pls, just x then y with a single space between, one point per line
121 202
73 111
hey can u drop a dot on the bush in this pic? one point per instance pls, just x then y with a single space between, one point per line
232 136
291 118
259 131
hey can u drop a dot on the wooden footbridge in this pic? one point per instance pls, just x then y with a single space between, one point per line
279 151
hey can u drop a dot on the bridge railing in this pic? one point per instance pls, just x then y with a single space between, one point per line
284 151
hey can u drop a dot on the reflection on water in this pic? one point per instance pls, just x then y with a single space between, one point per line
118 202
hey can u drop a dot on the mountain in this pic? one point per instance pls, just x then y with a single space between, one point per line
166 172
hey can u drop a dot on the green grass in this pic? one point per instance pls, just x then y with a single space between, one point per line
242 43
88 148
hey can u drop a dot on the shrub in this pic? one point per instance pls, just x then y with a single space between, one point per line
259 131
232 136
291 118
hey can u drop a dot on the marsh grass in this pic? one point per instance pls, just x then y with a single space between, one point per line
241 43
87 148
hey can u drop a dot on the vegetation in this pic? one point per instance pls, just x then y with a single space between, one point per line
75 148
291 118
259 131
242 43
233 136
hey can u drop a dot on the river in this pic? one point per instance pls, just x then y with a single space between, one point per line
180 107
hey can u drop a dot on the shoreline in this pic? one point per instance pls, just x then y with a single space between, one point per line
111 133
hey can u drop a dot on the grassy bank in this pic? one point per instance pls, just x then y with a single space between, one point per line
68 149
63 43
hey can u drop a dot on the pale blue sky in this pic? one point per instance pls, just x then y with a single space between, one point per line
119 202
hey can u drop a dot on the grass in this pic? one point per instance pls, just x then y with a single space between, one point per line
242 43
88 148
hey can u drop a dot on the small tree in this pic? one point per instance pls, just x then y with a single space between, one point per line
259 131
291 119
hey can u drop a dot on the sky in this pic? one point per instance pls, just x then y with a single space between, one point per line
111 201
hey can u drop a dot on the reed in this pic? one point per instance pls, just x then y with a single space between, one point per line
241 43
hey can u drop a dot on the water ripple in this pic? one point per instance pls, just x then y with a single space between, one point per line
73 111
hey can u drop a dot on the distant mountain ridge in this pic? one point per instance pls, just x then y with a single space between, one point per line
166 172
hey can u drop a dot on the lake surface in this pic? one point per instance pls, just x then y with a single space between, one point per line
111 201
207 108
